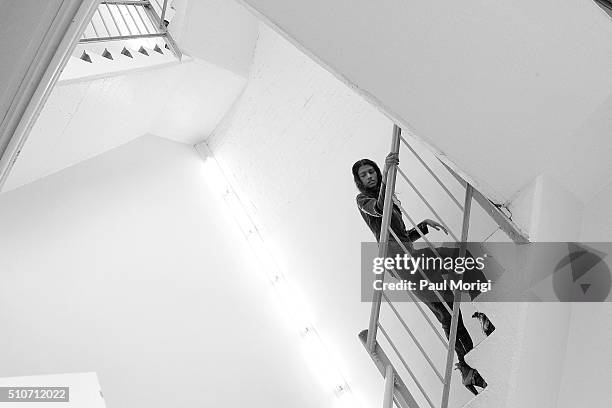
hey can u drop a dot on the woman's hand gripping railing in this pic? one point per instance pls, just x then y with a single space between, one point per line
384 240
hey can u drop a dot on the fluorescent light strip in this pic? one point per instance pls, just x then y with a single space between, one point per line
316 354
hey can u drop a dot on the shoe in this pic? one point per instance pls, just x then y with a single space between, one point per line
485 324
471 377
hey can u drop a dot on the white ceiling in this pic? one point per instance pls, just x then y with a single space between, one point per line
507 90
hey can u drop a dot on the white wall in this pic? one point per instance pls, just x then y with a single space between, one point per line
504 89
597 218
548 211
219 31
587 357
127 265
589 334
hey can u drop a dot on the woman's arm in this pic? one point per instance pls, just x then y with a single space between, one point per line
413 234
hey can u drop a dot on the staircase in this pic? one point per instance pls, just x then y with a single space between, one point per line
401 373
124 35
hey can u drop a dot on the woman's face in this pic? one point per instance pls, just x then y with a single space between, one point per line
368 176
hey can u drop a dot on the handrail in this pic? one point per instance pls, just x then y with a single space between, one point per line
126 16
384 238
502 221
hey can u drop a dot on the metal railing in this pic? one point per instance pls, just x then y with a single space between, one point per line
397 391
116 20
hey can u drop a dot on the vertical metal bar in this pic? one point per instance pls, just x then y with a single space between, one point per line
159 6
383 241
389 380
432 173
114 20
142 20
422 197
418 305
123 18
163 15
128 8
469 191
93 25
413 337
104 22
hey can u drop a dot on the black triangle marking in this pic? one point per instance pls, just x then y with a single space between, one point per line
85 57
126 52
585 287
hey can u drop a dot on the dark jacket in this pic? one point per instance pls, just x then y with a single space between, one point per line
371 209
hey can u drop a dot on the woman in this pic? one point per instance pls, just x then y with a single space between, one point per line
370 201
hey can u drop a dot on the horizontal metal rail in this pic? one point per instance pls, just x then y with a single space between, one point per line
414 378
433 174
428 319
413 337
122 37
431 246
435 213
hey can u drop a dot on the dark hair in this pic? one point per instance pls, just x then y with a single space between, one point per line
359 184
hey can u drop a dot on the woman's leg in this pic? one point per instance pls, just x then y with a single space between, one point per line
464 342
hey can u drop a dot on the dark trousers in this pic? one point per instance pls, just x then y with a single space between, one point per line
464 342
